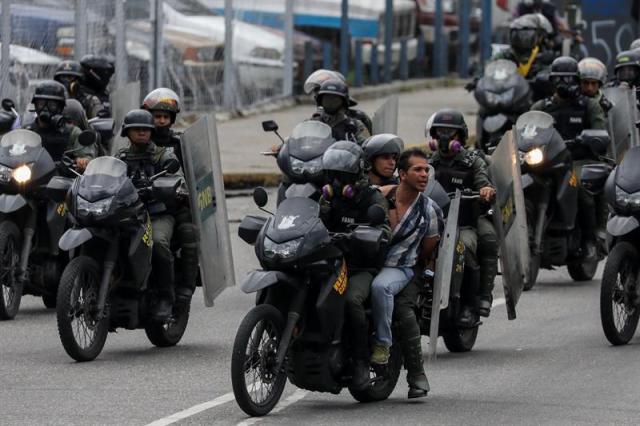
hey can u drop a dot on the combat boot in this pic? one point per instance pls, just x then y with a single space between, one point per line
416 377
488 271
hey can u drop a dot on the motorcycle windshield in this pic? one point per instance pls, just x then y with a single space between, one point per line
309 140
535 129
109 166
500 76
24 137
103 178
628 173
295 218
533 120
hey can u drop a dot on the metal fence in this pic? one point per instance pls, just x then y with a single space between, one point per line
272 45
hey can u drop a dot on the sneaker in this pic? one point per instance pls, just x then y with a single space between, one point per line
379 354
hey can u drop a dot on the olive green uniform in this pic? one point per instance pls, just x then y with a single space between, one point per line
141 165
343 127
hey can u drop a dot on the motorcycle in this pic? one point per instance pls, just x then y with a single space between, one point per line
106 283
550 186
300 158
296 330
31 222
502 95
620 292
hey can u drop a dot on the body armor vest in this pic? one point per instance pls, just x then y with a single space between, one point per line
54 141
571 117
459 175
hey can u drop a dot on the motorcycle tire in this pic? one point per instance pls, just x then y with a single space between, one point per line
380 390
260 319
168 333
614 294
460 339
10 285
77 299
534 260
582 270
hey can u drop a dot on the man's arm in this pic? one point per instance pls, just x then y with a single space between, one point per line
597 116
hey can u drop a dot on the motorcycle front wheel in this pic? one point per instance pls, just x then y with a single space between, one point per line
619 310
83 331
256 385
10 285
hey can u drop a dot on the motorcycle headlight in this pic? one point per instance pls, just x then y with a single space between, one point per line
98 208
311 167
5 174
22 174
284 250
623 199
533 157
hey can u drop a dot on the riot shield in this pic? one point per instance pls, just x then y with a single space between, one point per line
385 119
123 100
203 170
444 271
621 120
510 220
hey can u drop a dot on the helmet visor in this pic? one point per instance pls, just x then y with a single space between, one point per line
523 39
338 160
563 79
54 107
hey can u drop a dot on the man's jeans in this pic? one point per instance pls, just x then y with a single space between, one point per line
389 282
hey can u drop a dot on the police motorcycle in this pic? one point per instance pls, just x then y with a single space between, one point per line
502 95
300 158
31 222
550 186
106 284
620 292
296 330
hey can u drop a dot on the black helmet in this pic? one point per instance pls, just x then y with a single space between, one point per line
565 76
524 33
592 69
333 88
628 66
50 90
162 99
97 70
384 143
449 118
345 159
74 111
136 119
68 67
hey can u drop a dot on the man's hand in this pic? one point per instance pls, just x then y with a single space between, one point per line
487 193
81 163
276 148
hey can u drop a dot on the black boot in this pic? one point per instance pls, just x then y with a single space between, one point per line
488 272
162 309
416 377
361 376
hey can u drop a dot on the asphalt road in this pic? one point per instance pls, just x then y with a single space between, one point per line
550 366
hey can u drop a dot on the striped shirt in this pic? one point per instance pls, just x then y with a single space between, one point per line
419 221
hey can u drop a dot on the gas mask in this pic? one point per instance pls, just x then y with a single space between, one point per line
566 86
339 186
444 140
331 103
49 111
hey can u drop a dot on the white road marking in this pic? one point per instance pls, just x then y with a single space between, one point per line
193 410
292 399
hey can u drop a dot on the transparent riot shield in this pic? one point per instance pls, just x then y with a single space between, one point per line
123 100
510 220
621 120
203 170
444 271
385 119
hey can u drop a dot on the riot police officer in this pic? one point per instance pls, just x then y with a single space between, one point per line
69 73
382 152
145 159
97 72
333 97
164 105
573 113
593 77
627 68
57 138
345 201
458 168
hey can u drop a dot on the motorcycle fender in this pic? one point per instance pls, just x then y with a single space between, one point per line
618 226
74 238
11 203
257 280
527 181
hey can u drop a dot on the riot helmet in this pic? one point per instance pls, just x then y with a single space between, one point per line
162 99
68 73
74 114
137 119
49 100
524 33
448 130
627 67
98 70
333 96
314 81
384 143
343 162
564 76
593 69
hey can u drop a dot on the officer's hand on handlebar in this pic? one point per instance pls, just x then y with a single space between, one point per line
81 163
487 193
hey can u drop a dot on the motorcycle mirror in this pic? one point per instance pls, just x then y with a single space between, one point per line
172 166
376 215
269 126
7 104
260 197
88 137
